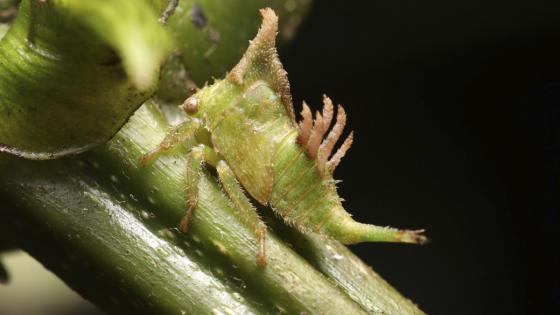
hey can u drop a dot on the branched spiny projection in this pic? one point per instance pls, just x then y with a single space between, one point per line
311 135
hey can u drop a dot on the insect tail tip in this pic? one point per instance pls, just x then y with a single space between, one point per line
352 232
414 237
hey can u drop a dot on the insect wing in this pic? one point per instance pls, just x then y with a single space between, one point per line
247 151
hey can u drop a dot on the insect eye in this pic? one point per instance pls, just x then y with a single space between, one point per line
190 105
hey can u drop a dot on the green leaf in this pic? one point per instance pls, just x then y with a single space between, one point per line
131 28
72 72
212 35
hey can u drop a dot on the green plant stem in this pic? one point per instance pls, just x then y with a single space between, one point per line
348 271
123 258
287 280
100 245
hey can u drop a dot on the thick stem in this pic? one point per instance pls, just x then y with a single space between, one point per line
338 263
100 244
121 253
286 281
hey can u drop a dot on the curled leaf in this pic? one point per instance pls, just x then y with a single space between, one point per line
72 72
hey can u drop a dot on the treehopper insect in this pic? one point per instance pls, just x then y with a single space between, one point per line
246 129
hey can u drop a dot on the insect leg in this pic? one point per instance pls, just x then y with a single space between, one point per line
247 211
193 168
181 132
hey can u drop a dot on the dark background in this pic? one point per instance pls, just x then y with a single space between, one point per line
456 111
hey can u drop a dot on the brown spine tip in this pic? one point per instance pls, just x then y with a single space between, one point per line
327 112
343 228
305 125
328 144
413 237
261 62
316 136
337 157
269 27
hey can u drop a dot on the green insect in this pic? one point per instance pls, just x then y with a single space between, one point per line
246 128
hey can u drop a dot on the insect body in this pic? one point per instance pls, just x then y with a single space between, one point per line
255 140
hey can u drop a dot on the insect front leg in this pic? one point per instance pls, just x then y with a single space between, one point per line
205 154
181 132
193 165
193 169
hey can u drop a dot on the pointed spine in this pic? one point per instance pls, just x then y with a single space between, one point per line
328 144
343 228
317 134
261 60
311 136
337 157
305 125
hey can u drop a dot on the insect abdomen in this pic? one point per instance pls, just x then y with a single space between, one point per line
245 131
300 195
307 198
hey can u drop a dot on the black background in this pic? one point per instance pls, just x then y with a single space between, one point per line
456 111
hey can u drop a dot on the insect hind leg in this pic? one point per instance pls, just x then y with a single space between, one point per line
198 155
242 203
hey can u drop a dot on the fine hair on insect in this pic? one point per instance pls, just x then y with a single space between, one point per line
245 127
